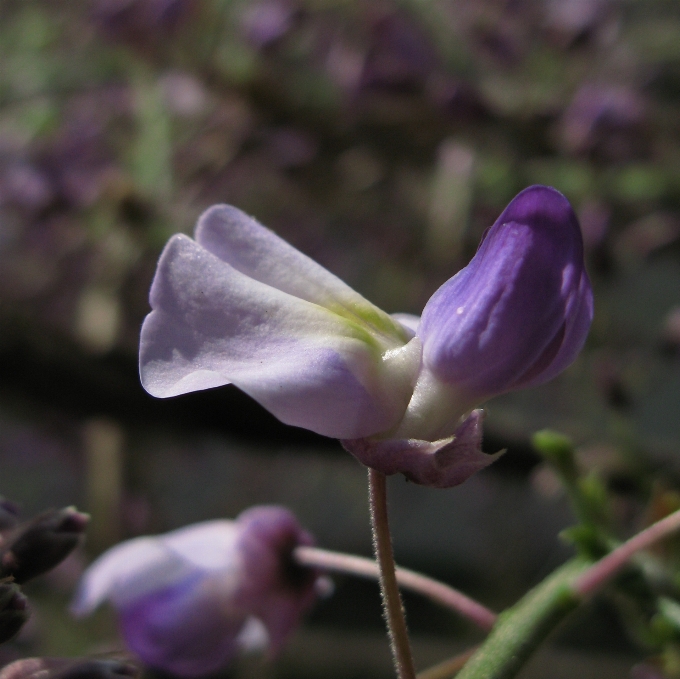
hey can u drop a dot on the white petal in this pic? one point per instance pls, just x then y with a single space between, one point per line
254 637
254 250
127 571
212 325
209 545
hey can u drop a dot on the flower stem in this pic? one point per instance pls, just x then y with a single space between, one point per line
522 628
393 608
434 590
602 571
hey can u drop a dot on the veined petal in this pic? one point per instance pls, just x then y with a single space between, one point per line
212 325
568 342
247 246
519 312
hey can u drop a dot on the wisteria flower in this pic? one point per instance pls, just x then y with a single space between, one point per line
189 601
240 305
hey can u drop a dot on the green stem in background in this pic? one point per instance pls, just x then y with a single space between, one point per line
393 608
436 591
522 628
603 571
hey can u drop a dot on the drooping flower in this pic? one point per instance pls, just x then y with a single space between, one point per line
241 305
190 600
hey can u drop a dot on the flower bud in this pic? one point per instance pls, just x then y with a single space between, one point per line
42 543
13 610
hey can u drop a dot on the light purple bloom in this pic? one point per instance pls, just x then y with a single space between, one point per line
189 601
240 305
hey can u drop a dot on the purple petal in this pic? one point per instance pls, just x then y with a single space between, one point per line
189 629
276 590
190 600
519 313
127 572
439 464
210 545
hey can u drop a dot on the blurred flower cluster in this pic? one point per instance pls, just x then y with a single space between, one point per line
28 550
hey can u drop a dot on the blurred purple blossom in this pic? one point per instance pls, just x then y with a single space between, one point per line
572 21
140 22
240 305
265 22
400 56
605 120
190 600
25 186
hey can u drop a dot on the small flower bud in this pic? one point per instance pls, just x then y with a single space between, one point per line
13 610
42 544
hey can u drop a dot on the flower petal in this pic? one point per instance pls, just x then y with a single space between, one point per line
409 322
188 629
438 464
209 545
519 312
275 589
247 246
127 571
212 325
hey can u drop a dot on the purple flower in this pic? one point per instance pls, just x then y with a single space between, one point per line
240 305
189 601
605 120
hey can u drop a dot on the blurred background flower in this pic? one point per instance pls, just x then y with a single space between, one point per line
191 600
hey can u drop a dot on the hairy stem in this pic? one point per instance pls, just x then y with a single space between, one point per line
393 608
436 591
